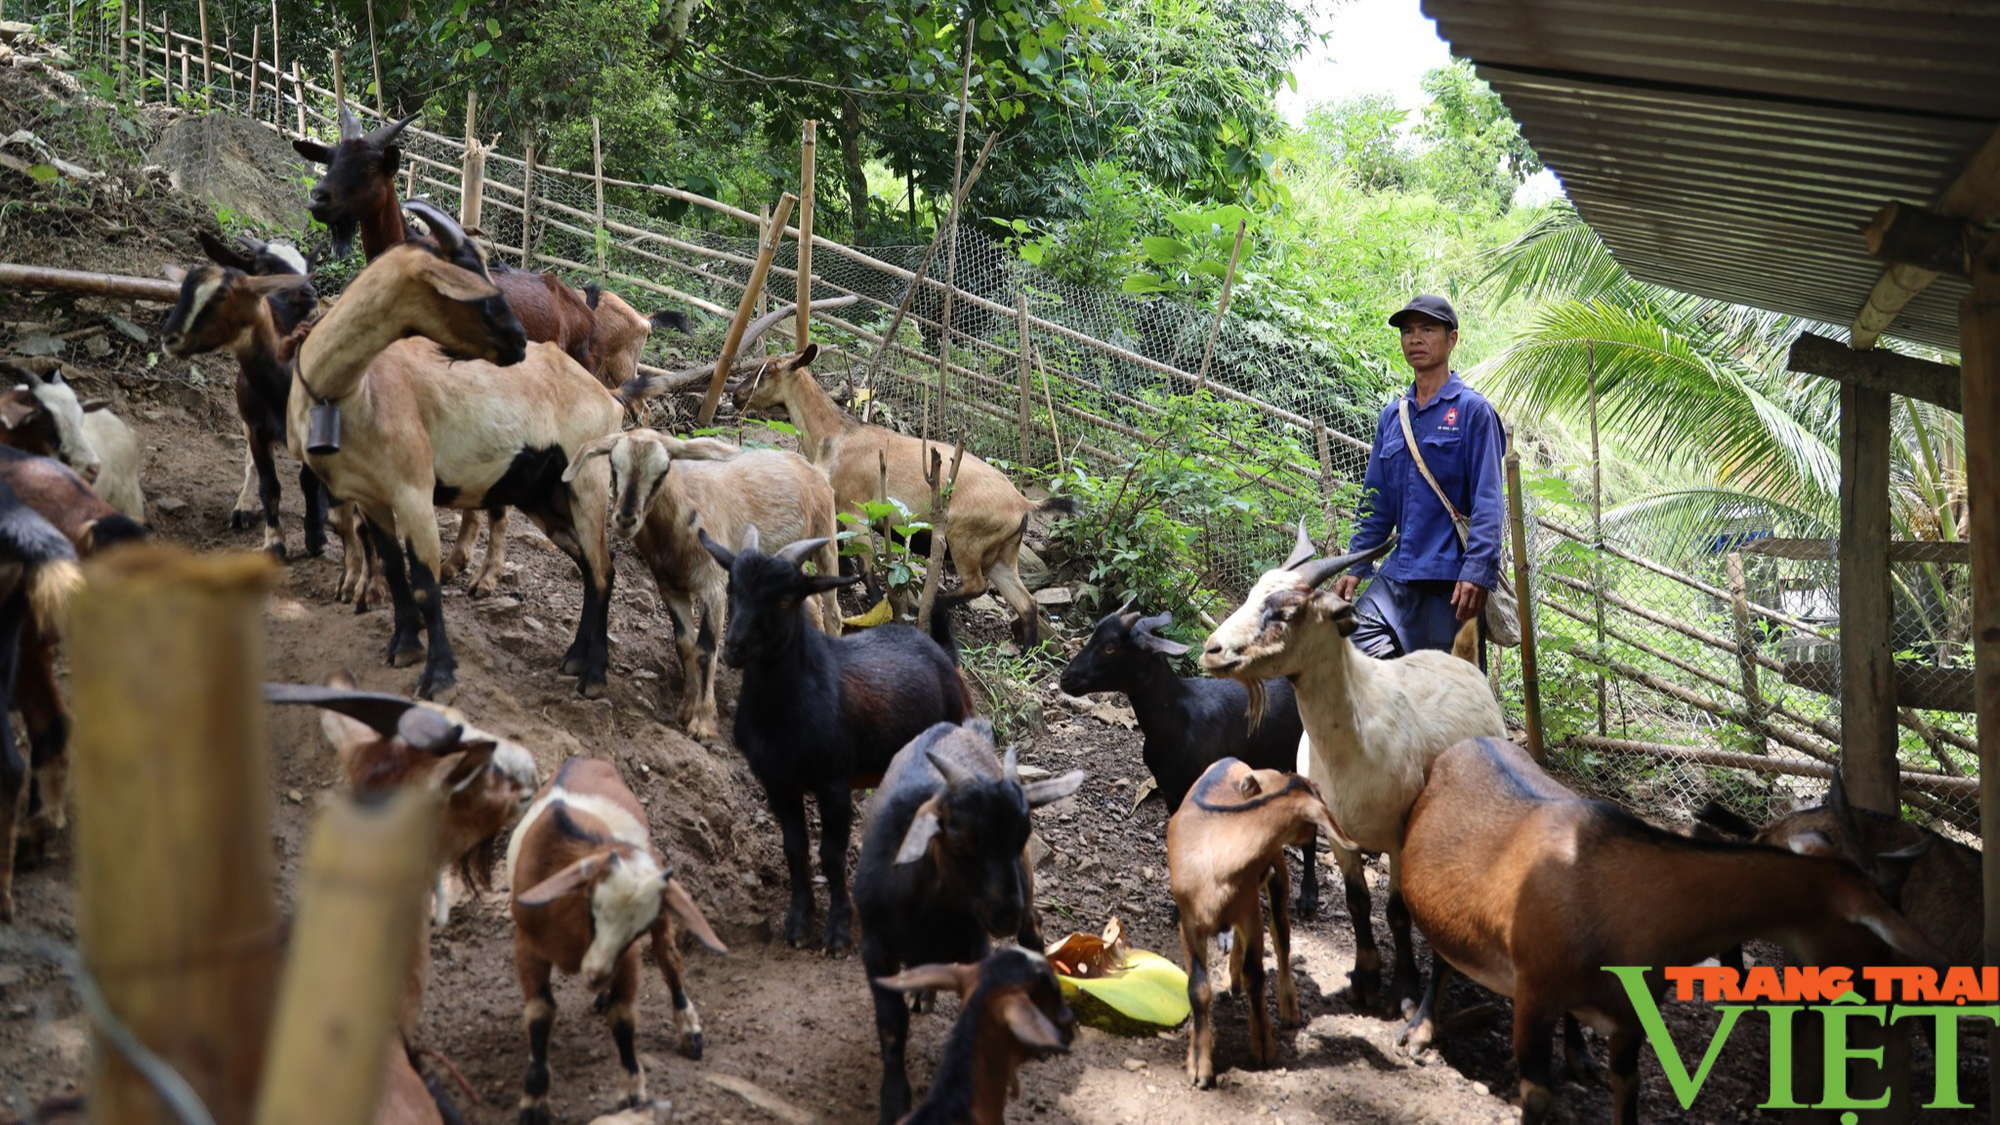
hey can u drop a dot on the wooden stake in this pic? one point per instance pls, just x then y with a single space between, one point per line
763 232
170 759
1221 306
139 50
375 61
360 898
1327 486
945 315
256 61
808 159
166 60
277 74
1026 408
755 286
1531 682
122 44
602 235
941 486
1868 685
339 80
472 174
1062 465
1979 365
528 207
1597 530
1746 643
207 67
186 82
299 94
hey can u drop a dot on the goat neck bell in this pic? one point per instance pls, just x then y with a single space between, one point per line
323 429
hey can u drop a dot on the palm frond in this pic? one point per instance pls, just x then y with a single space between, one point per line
1558 256
1681 525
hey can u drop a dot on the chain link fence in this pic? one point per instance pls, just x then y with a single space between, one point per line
1663 687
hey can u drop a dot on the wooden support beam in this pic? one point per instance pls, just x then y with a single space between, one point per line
1917 685
1904 375
1979 355
1867 671
1910 235
1900 550
154 289
1973 196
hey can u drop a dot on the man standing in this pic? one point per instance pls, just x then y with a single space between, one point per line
1434 579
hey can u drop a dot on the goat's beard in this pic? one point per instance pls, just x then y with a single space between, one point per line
475 867
1255 713
342 229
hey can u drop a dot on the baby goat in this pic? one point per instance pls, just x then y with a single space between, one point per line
943 867
1013 1013
1189 724
1227 841
824 715
988 515
662 486
1372 726
587 882
41 415
1530 890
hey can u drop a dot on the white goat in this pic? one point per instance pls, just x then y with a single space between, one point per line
1372 726
118 459
663 488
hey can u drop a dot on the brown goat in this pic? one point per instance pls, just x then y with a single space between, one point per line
1530 890
987 514
1225 842
587 882
665 489
1013 1013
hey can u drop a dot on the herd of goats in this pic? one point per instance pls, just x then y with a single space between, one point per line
437 380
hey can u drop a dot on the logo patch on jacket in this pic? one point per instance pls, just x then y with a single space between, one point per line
1451 417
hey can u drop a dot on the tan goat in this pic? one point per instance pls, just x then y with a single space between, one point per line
988 515
1225 842
664 489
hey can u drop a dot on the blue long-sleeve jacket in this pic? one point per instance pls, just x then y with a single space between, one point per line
1462 442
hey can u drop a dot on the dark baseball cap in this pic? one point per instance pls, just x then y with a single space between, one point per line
1437 308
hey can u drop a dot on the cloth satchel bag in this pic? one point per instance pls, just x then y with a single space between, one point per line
1503 611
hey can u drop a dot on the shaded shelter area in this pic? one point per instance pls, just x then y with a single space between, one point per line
1830 160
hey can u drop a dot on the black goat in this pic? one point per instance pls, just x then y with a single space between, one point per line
1190 724
824 715
1014 1012
943 867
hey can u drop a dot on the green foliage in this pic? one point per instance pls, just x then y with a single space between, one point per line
879 537
1476 156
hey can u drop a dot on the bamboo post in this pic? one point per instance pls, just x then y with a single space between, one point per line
123 77
763 232
187 82
375 61
1026 407
528 206
1326 482
207 66
299 95
1746 643
1531 685
734 339
1048 404
256 61
1597 530
597 167
472 174
941 487
1867 674
1222 305
339 79
360 896
808 158
170 755
166 59
139 51
277 75
1979 377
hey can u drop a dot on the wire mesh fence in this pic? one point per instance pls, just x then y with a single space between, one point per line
1662 686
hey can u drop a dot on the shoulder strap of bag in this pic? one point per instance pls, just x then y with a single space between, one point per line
1410 438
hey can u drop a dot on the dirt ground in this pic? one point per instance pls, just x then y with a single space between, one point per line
790 1029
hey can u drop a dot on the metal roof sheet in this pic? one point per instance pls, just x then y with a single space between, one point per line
1734 149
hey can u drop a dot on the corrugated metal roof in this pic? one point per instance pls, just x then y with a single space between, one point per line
1733 148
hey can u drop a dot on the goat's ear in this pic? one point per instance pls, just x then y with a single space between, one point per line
174 274
1052 789
674 899
392 159
1146 635
220 252
461 767
1812 843
344 734
313 151
568 881
1341 611
702 448
723 556
1892 869
923 827
802 359
962 979
17 408
455 282
1029 1026
267 284
93 405
1249 786
599 448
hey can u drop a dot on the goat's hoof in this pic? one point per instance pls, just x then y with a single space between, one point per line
486 587
404 655
6 906
1364 988
438 689
243 517
798 927
1417 1035
572 666
1202 1081
590 689
534 1115
1305 909
315 549
275 549
691 1046
836 941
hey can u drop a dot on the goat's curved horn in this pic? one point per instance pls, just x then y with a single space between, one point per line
1011 764
1317 572
350 125
381 712
1153 624
795 551
1302 550
444 228
954 774
1126 606
751 540
255 244
384 135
